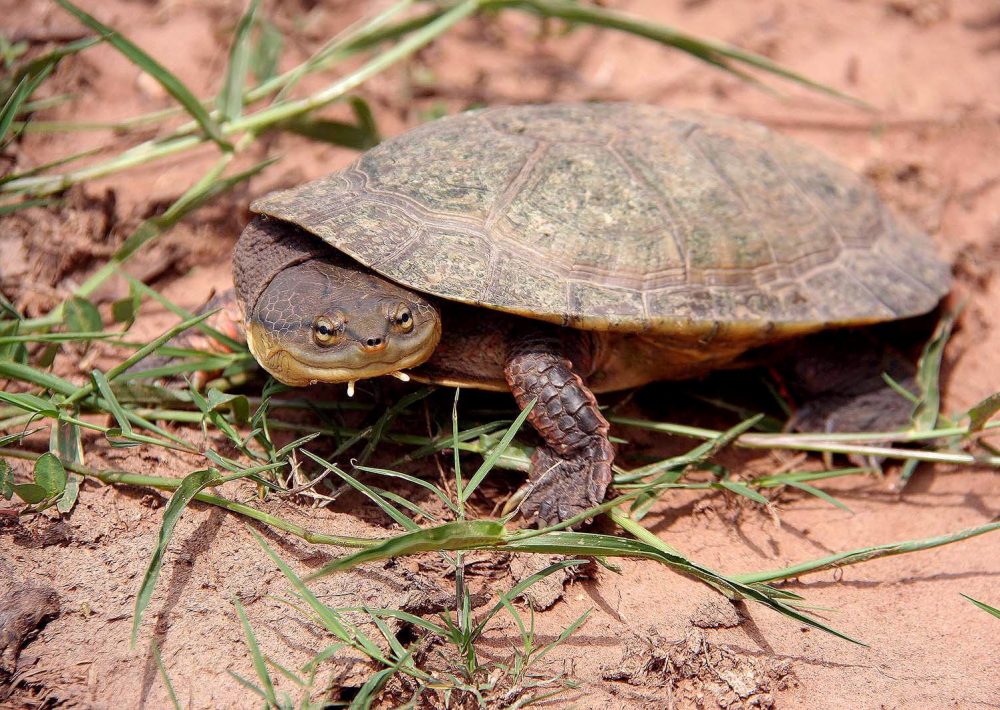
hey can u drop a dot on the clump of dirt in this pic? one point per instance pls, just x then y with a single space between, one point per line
716 613
42 249
695 672
545 593
23 610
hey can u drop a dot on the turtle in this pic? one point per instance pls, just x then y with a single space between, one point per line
559 251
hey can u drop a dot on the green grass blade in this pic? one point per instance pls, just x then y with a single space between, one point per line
743 490
248 685
408 505
153 345
387 634
441 495
48 102
46 184
171 84
365 118
203 327
39 63
172 484
27 373
18 436
669 471
523 586
266 51
361 135
366 694
230 100
821 494
285 672
324 655
703 452
8 308
864 554
983 412
104 387
928 407
283 453
634 528
259 665
208 363
563 635
899 389
925 415
30 403
382 425
329 618
406 47
461 535
490 461
324 130
783 479
25 88
527 636
207 187
44 167
192 484
346 43
715 53
69 337
407 618
381 502
838 443
136 357
444 441
985 607
571 543
456 455
165 676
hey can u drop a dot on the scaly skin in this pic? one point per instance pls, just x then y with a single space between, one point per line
572 470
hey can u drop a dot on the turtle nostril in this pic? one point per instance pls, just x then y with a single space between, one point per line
373 344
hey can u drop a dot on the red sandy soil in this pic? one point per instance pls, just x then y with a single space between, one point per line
654 639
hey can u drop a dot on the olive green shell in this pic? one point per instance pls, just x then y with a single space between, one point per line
624 217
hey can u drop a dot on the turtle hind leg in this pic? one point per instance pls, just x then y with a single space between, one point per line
839 393
571 471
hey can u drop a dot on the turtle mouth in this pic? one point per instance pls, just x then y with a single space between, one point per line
297 368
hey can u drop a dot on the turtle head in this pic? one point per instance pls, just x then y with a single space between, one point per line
323 321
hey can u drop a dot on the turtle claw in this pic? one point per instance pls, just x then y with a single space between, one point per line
560 488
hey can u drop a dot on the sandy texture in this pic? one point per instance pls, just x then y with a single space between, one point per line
654 639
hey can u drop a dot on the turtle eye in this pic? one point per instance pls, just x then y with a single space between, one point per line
402 318
325 330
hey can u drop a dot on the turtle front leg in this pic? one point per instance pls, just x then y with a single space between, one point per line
572 470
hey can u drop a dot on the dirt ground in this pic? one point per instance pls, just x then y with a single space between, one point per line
654 639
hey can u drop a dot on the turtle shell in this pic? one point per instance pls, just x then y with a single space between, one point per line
626 218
